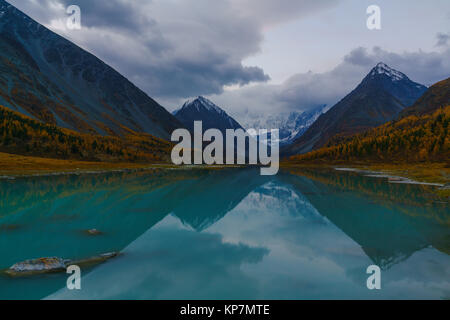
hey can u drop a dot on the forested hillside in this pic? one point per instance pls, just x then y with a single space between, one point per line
22 135
411 139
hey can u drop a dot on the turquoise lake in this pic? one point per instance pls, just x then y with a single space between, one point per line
227 234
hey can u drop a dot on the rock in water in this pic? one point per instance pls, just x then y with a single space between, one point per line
93 232
41 265
49 265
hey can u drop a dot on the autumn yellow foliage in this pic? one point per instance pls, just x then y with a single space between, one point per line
410 139
25 136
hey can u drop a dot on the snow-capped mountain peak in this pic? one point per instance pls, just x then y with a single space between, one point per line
202 109
382 68
201 102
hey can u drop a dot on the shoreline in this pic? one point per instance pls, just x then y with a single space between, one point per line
16 166
391 178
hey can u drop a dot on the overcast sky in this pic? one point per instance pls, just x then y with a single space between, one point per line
255 57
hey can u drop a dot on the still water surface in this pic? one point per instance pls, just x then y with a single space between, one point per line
229 234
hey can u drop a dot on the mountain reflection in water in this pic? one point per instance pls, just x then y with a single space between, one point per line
226 234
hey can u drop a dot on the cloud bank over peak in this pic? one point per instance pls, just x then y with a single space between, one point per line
304 91
424 67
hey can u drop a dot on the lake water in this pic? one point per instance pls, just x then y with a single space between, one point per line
227 234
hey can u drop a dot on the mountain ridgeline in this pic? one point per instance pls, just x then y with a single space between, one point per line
379 98
48 78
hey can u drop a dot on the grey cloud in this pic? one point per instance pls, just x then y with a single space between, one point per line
112 13
359 56
41 10
164 69
443 39
273 12
175 49
185 77
423 67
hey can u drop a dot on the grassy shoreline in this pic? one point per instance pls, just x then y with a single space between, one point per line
434 173
12 165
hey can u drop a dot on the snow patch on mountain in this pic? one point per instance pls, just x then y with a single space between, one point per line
198 103
382 68
291 125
